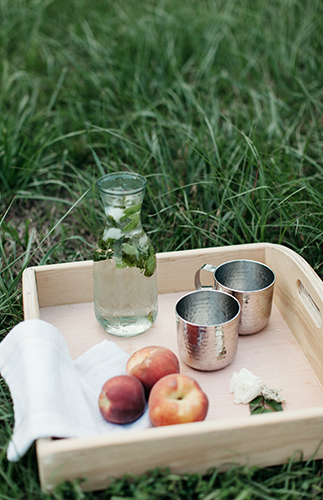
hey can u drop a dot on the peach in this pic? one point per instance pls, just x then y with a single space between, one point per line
177 399
122 399
150 364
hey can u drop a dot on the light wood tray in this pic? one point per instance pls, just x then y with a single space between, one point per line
287 354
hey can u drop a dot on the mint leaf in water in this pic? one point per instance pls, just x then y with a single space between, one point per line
99 254
111 221
129 250
127 254
130 211
150 262
132 224
144 260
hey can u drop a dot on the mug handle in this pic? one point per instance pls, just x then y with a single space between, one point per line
197 280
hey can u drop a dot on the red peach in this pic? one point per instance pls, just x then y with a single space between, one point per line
151 363
122 399
177 399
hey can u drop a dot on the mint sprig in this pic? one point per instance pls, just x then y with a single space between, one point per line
262 405
127 254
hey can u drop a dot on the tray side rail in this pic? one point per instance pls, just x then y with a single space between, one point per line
30 294
299 298
189 448
71 283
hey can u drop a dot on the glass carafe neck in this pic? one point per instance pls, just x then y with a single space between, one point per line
122 195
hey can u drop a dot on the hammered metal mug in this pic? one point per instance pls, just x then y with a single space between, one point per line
207 329
252 283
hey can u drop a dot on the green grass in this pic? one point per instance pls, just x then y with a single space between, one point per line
218 103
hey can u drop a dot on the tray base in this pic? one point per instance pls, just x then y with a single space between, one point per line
272 354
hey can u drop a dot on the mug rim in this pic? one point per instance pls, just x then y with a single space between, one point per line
235 290
210 325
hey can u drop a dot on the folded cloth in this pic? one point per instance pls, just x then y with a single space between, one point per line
52 395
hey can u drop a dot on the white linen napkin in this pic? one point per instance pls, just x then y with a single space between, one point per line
52 395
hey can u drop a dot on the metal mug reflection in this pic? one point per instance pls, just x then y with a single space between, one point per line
207 329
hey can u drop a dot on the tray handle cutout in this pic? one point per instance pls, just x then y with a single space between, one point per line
309 303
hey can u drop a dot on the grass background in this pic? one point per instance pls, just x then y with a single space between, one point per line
218 103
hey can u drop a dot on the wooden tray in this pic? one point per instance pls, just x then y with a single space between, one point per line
287 354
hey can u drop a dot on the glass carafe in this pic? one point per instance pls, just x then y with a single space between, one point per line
124 261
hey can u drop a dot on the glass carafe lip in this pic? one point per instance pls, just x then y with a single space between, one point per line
139 183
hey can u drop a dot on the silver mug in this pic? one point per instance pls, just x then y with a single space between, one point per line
207 329
252 283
